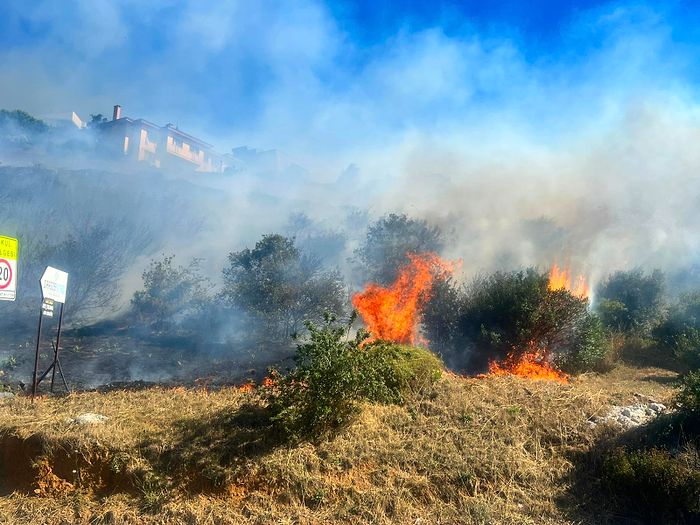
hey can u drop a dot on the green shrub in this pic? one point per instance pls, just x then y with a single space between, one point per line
171 295
589 347
334 372
632 301
278 286
680 332
688 395
403 370
654 482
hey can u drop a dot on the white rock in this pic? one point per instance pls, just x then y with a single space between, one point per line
657 407
6 395
90 419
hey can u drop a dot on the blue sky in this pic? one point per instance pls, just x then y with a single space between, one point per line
477 115
319 77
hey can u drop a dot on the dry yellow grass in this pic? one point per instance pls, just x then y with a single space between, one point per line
492 450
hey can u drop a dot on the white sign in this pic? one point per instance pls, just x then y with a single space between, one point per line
9 249
47 307
54 284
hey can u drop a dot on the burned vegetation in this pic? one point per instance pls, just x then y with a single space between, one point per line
348 375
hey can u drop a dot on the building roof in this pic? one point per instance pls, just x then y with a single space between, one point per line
168 127
190 138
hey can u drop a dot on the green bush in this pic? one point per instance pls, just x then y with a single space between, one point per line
403 370
278 286
688 395
680 332
589 347
654 482
171 296
632 301
334 372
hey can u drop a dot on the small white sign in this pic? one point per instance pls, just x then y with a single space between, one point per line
54 284
47 307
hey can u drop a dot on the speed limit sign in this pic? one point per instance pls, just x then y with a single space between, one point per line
9 249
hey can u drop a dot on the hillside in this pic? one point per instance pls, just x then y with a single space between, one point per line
472 450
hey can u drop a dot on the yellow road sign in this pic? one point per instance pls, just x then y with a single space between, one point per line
9 252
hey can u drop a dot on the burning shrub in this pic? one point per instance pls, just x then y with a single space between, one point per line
680 332
632 301
279 287
509 314
334 372
388 242
392 312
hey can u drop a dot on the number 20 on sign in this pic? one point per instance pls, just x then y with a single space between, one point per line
9 251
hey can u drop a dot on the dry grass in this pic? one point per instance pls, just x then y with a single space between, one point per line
492 450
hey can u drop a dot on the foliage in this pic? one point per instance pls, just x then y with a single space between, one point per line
328 245
632 301
170 294
389 240
680 332
688 396
654 481
23 121
442 314
97 119
280 287
511 312
404 370
96 258
334 372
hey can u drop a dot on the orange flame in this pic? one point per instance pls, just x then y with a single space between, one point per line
560 279
246 387
393 313
531 364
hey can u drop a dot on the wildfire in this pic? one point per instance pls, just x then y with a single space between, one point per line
246 387
531 364
393 313
560 279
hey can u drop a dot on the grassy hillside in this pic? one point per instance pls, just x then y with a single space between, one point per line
478 450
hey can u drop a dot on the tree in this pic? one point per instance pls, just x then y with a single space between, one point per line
388 241
632 301
680 331
170 295
279 287
22 121
97 119
328 245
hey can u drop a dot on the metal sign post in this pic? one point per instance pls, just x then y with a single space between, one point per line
54 284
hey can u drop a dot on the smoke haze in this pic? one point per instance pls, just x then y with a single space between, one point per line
582 149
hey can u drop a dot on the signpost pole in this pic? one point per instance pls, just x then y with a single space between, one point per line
36 357
58 342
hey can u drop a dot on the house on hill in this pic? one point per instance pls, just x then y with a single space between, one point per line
158 146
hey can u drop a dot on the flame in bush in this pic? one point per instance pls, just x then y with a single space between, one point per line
531 364
392 313
560 279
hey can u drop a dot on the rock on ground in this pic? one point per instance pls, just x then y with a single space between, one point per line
630 416
90 419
